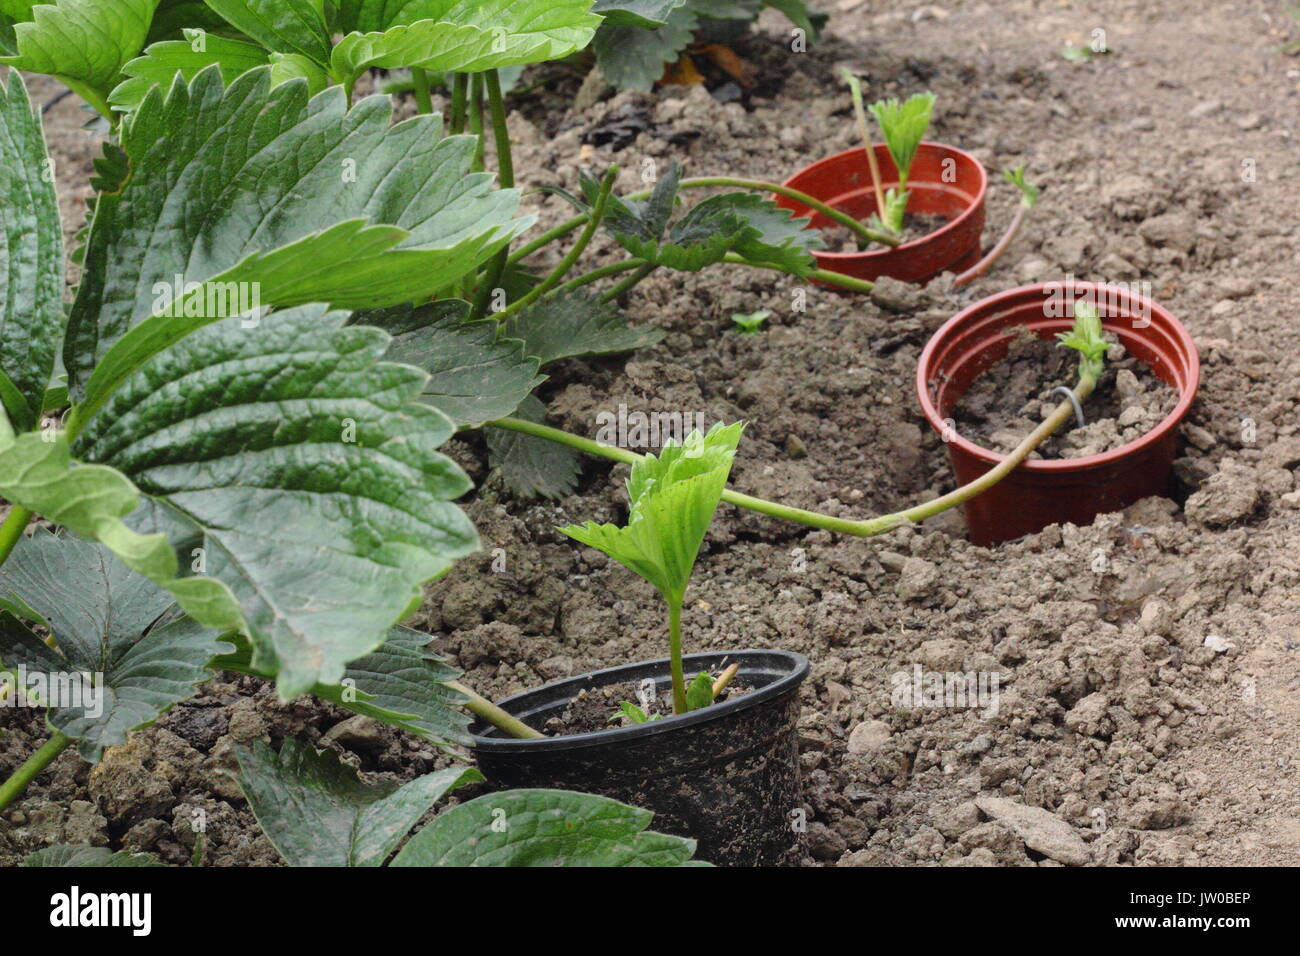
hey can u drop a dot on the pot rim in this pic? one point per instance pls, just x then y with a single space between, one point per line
987 306
950 226
797 670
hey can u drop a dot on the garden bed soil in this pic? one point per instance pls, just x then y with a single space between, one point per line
1148 664
1010 399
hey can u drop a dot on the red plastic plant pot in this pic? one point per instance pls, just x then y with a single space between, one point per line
1043 492
945 181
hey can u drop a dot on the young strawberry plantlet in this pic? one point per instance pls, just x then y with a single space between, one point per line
673 497
751 323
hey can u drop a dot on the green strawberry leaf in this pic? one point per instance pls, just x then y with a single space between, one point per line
316 811
64 855
282 26
464 36
903 126
636 13
401 683
543 828
306 471
314 203
162 61
84 43
699 693
106 620
31 259
673 498
633 58
572 325
476 375
532 466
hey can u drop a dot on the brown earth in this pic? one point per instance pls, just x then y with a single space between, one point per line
1147 663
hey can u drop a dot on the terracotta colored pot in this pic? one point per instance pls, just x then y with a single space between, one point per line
1042 492
945 181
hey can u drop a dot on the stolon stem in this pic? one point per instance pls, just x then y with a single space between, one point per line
867 528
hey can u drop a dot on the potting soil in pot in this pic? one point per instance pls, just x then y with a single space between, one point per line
598 709
1011 399
839 239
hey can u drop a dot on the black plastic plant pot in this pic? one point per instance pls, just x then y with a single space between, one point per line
726 775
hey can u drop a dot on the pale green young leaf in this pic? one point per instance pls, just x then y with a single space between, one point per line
700 692
1028 191
317 812
31 259
543 828
903 126
674 496
1086 337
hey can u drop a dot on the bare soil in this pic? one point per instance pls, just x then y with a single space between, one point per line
1147 664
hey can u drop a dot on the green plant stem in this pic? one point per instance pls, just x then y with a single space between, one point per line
505 179
459 93
546 238
862 529
861 230
476 118
675 655
12 530
602 272
629 282
484 709
420 81
13 788
824 275
567 263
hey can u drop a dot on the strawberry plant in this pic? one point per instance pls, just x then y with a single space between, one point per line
673 497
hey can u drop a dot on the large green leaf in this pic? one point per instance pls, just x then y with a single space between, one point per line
255 189
475 375
64 855
459 35
105 621
162 61
31 259
82 42
283 26
317 812
572 325
306 470
633 58
543 828
401 683
533 466
674 496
